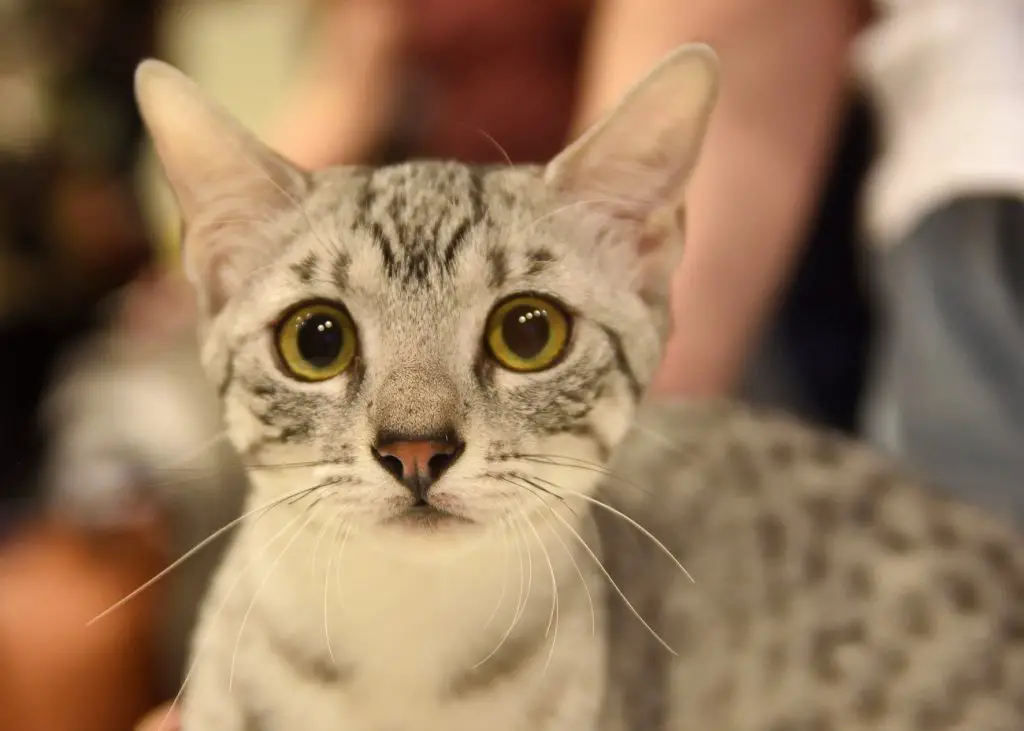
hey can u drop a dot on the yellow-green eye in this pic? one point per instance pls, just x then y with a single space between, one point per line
316 341
527 333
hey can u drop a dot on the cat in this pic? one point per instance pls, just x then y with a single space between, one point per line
133 425
465 514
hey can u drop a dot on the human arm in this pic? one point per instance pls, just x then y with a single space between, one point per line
346 86
784 68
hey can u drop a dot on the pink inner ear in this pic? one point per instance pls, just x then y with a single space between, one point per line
157 307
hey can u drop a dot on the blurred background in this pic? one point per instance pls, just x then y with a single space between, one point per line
855 228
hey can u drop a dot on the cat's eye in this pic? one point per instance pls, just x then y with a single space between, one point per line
316 341
527 333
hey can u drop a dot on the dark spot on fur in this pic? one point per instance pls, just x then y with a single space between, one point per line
455 243
894 539
782 453
497 262
306 268
771 537
823 511
538 260
623 362
861 583
943 533
339 270
865 506
815 560
514 654
1013 628
871 703
826 644
745 472
998 556
916 614
963 593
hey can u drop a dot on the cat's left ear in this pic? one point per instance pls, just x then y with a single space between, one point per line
634 162
225 180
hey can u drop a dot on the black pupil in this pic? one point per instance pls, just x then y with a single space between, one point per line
526 330
320 340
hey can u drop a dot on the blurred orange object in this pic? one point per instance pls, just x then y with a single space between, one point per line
57 672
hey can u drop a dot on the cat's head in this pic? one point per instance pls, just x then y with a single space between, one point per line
430 344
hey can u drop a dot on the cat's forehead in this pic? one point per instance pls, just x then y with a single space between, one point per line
426 225
439 234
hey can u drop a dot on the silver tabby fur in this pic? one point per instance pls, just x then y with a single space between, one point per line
829 591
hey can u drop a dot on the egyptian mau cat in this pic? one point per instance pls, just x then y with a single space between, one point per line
430 371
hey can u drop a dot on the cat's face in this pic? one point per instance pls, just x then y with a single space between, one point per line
432 346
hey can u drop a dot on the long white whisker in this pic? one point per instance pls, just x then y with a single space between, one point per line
611 581
504 571
553 615
327 579
309 512
614 511
521 604
199 546
189 456
572 558
202 642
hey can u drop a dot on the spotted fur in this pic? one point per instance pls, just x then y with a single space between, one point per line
829 593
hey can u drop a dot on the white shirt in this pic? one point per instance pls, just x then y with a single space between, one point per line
947 77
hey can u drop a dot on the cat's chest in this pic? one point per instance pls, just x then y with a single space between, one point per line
388 649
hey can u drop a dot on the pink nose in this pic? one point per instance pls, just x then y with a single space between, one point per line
418 463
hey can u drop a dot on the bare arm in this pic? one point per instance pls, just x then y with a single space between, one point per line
345 92
784 67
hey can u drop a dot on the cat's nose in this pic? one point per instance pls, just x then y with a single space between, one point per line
417 461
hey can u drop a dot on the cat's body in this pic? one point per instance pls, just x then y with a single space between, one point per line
427 369
829 592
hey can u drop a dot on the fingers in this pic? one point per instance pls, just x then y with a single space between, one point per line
161 718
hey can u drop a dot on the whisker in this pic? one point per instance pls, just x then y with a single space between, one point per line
502 150
504 568
189 456
612 582
615 511
202 644
580 464
309 512
553 615
327 579
284 192
201 545
521 604
562 209
575 563
337 567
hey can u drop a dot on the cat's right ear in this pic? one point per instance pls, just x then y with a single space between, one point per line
226 182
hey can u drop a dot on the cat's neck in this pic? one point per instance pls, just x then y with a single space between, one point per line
378 595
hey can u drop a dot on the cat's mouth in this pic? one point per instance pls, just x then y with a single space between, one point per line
425 515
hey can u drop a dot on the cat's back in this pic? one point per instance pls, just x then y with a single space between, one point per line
830 589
